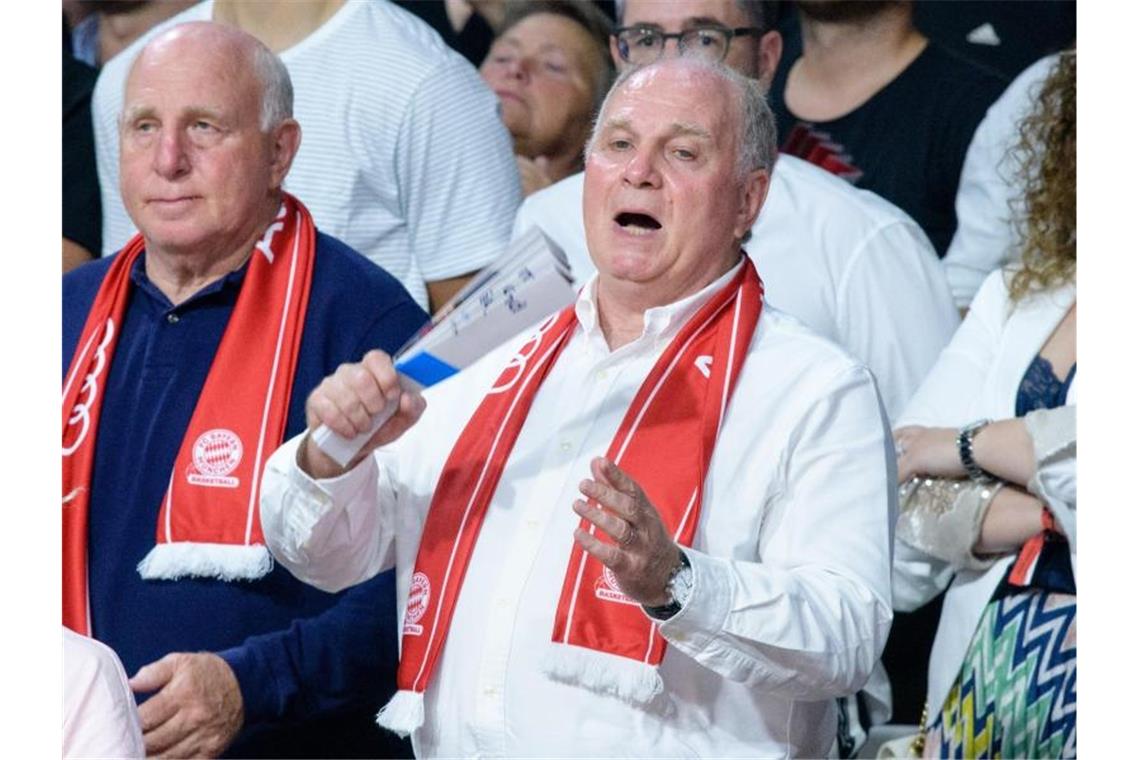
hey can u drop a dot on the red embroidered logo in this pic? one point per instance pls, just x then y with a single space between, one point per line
418 597
517 365
606 587
216 454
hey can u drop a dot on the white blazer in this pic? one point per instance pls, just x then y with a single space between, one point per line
977 376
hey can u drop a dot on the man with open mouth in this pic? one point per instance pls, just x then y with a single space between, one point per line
663 530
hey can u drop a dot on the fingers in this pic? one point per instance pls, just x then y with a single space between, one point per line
620 531
346 400
157 711
155 675
614 490
608 554
609 473
197 712
161 738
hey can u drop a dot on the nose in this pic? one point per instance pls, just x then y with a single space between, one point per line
641 170
170 158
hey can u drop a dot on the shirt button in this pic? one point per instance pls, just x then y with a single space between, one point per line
680 638
172 318
565 446
602 374
502 603
532 524
490 691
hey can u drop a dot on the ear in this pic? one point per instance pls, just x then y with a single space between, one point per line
768 54
286 139
752 195
619 64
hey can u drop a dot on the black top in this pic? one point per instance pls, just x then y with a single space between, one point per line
1005 35
907 142
82 211
472 41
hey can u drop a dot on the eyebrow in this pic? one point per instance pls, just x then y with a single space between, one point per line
134 113
676 129
688 23
545 47
689 129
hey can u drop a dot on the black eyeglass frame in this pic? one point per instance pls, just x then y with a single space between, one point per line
730 33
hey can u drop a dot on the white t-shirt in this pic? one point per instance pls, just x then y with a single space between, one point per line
986 236
847 263
791 559
403 155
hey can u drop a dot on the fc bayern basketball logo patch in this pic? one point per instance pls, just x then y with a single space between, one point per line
606 587
419 595
216 454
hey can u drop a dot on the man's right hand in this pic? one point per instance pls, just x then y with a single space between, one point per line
346 400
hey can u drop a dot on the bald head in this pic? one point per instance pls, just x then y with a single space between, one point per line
239 54
206 141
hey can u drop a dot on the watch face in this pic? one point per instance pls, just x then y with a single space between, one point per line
682 585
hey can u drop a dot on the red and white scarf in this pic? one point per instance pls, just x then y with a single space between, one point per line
602 639
208 524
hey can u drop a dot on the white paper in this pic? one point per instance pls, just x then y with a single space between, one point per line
528 283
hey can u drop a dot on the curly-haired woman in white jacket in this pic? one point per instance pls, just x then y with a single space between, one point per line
987 467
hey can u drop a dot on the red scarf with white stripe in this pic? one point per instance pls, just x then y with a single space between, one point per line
208 524
664 443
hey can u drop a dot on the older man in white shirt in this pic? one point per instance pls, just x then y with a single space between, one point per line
847 263
665 527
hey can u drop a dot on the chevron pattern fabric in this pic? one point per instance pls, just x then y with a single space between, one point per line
1016 695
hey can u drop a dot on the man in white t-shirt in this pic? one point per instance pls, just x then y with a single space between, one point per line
844 261
404 158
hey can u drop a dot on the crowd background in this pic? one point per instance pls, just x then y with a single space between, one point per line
1037 28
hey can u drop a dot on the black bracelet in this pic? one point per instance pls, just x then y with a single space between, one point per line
966 452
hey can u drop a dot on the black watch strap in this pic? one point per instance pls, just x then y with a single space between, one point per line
666 611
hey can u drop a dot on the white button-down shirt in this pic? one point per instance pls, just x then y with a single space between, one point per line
843 261
791 603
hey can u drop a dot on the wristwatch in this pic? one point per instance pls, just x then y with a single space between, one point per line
966 452
679 587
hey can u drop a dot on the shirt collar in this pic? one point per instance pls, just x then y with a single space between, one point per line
145 285
661 322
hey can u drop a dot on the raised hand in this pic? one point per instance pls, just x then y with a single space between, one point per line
643 554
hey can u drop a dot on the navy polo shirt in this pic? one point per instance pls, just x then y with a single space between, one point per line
313 667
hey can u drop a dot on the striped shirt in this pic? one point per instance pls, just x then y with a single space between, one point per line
403 155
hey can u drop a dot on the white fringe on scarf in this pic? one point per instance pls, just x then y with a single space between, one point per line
403 714
226 562
629 680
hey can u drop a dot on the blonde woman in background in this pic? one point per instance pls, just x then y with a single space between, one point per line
550 68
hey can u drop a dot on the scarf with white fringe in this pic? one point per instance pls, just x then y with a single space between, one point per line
208 523
602 639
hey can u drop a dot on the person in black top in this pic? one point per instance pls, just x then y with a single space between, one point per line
861 92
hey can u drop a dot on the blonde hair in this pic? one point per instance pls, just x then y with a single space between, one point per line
1047 157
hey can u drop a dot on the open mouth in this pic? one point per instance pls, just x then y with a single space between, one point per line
637 223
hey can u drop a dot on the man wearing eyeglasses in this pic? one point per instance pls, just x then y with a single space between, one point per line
843 261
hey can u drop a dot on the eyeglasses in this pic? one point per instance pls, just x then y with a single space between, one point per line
643 44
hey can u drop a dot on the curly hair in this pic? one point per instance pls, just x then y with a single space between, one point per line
1047 162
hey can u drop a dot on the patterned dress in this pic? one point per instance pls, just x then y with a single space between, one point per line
1016 694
